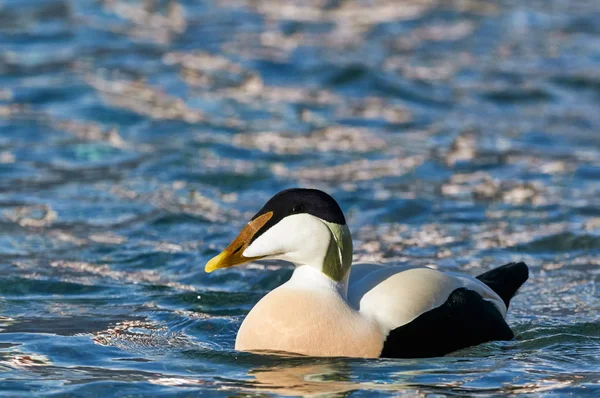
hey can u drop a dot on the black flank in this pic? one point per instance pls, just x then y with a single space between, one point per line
464 320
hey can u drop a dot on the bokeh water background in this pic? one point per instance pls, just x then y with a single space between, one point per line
137 138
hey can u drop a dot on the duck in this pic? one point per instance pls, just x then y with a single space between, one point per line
332 308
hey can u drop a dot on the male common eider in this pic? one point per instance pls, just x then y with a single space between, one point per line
375 311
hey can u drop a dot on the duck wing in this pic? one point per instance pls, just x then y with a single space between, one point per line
426 312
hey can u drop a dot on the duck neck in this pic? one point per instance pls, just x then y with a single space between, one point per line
338 259
332 270
309 278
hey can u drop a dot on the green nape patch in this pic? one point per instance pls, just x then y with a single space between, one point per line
339 254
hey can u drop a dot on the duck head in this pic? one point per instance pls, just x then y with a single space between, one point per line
302 226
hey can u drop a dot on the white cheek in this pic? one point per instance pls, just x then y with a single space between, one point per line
300 238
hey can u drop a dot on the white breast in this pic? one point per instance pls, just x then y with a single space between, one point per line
394 296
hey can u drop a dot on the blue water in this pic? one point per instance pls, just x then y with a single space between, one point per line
137 137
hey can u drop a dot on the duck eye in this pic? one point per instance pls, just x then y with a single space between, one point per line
297 209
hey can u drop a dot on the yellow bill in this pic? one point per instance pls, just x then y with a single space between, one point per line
233 254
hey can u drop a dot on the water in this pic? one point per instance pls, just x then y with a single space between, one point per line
136 138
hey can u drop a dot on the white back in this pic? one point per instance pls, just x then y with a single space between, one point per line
395 296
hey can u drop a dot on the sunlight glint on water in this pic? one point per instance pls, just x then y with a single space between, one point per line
136 138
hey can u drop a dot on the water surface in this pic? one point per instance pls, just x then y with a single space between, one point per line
137 137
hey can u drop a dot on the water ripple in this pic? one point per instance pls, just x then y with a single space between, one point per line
137 137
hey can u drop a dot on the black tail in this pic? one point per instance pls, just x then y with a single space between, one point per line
506 280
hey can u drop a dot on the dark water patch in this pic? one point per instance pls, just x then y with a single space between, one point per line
150 259
583 24
20 287
348 75
176 220
53 69
419 93
588 172
63 326
407 212
515 95
589 330
133 386
215 303
580 81
589 211
233 180
563 242
110 115
21 386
